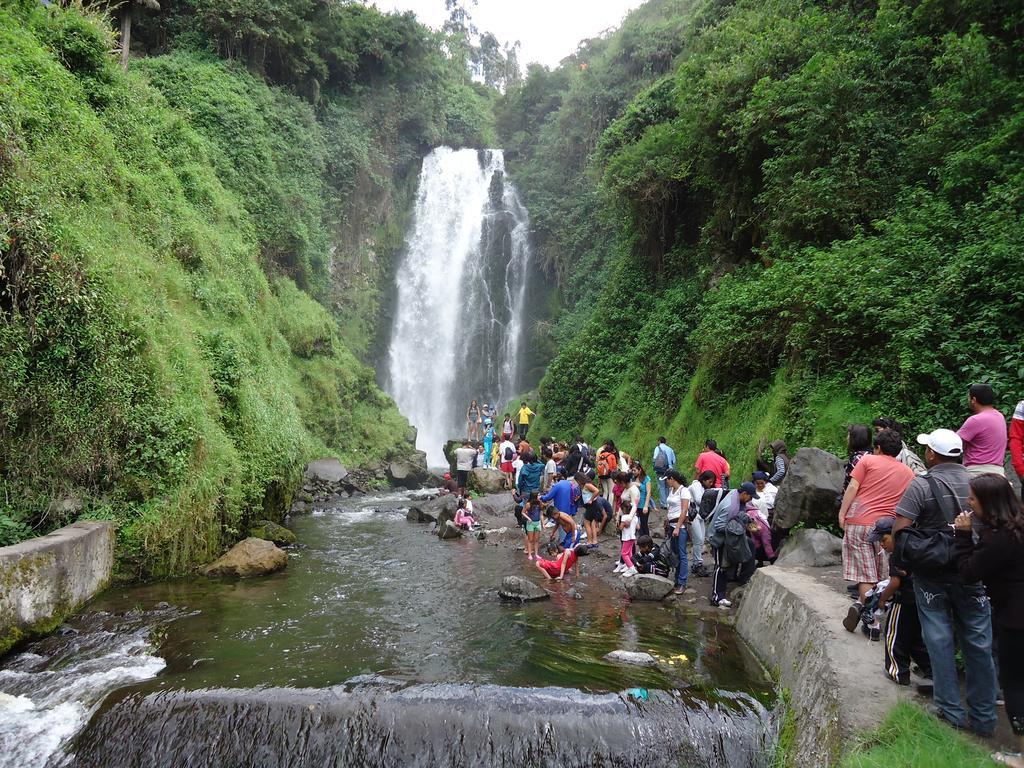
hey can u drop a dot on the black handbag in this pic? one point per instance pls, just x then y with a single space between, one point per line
928 552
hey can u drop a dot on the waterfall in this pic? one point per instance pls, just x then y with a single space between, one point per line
461 287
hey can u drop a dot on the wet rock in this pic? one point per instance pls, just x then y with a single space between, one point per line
328 471
483 480
479 535
646 586
634 658
428 511
449 530
271 531
409 471
299 508
810 547
250 557
808 494
523 590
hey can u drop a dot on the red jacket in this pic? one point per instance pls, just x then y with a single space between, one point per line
1017 439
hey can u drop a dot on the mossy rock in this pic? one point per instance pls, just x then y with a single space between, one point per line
265 529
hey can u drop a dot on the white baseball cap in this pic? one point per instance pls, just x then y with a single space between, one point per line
944 442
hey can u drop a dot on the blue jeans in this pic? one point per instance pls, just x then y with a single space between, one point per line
942 606
679 548
662 491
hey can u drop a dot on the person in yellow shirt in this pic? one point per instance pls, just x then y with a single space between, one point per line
524 419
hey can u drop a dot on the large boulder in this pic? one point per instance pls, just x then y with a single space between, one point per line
808 493
427 511
647 586
249 557
409 471
483 480
449 530
271 531
326 471
523 590
810 547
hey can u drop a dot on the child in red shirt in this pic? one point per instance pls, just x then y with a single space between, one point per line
564 559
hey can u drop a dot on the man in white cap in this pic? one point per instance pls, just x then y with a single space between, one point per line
930 504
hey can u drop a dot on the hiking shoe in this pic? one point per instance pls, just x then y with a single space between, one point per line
853 617
679 590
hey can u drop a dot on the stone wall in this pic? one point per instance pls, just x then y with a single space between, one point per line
42 580
791 619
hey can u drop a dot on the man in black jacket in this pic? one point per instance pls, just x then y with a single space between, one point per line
944 601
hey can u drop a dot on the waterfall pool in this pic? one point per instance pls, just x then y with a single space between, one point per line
371 603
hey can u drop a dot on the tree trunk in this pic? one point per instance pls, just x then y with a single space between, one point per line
126 33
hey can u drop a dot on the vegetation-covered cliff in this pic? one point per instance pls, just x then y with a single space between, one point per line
190 263
781 217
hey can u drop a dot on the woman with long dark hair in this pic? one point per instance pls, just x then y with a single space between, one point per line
997 560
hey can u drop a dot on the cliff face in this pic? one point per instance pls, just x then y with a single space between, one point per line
169 311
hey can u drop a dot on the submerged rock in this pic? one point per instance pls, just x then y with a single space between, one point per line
634 658
808 494
646 586
271 531
523 590
249 557
811 547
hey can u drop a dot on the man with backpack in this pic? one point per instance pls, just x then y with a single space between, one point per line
730 543
924 546
663 460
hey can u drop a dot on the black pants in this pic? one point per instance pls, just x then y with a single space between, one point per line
523 429
726 572
1011 675
903 642
462 476
642 520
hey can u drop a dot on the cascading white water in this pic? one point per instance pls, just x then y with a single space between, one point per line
461 288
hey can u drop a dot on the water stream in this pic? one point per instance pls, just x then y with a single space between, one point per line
380 645
461 286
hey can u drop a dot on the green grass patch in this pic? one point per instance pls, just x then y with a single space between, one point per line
911 738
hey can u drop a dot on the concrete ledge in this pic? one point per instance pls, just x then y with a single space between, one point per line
44 579
835 679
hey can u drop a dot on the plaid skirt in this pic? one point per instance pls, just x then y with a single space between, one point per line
863 561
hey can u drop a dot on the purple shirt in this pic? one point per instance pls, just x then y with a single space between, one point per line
984 436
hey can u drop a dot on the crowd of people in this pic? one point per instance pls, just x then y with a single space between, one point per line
933 548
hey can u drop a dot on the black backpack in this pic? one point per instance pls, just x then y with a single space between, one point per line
509 454
709 501
737 547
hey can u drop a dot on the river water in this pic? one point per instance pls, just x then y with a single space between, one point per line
381 645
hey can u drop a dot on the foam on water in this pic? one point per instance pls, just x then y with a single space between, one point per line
48 695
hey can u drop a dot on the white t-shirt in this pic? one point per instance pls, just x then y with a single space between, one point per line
696 492
766 500
464 459
631 519
675 502
550 468
630 499
501 450
517 465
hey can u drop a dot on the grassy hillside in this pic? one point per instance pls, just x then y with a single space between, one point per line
164 235
813 217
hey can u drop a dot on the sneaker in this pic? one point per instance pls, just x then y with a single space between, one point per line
853 617
629 572
679 590
723 603
872 633
619 568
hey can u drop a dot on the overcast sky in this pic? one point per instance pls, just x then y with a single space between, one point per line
548 29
